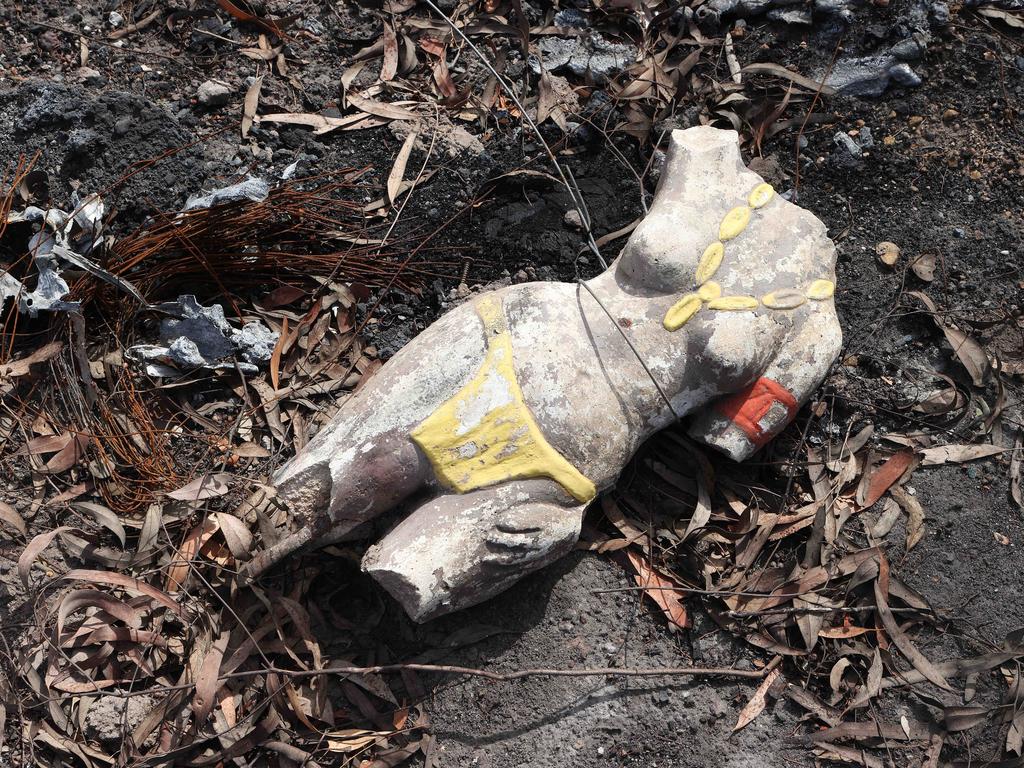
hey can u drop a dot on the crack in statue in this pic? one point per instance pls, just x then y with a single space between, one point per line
502 420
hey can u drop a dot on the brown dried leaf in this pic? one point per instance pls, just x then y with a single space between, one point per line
91 598
398 170
125 582
873 684
236 534
957 454
351 740
69 455
319 123
756 705
663 591
250 451
207 679
381 108
891 471
208 486
389 68
35 548
835 679
275 357
964 718
1016 460
12 518
915 514
767 68
22 367
250 104
273 26
967 350
104 516
1010 19
907 648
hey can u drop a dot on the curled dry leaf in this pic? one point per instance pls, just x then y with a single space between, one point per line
968 351
12 518
915 514
104 516
35 548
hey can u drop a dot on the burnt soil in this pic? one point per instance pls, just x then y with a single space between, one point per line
934 182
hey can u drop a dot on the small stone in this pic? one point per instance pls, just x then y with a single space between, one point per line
903 75
213 93
911 49
115 19
90 76
867 141
573 219
950 114
796 16
844 142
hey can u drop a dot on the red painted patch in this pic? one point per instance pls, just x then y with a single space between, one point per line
747 407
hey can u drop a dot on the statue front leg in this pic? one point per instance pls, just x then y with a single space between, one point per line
462 549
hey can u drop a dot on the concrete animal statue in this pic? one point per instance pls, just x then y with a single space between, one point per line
500 422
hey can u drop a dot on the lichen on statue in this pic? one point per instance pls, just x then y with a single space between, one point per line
493 429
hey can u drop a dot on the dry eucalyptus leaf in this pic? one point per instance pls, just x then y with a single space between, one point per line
756 705
957 454
204 487
888 253
252 100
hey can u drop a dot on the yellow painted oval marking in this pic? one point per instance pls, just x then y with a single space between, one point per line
733 303
486 434
681 311
710 262
710 290
735 221
820 290
784 298
760 195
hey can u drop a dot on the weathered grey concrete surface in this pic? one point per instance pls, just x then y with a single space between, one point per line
527 401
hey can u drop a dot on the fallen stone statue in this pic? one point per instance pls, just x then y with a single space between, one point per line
501 421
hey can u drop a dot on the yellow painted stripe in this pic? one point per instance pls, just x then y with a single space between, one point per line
733 303
681 311
784 298
760 195
710 290
820 290
710 262
735 221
